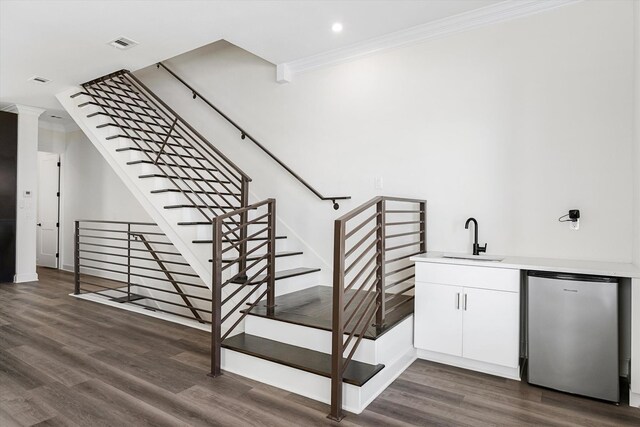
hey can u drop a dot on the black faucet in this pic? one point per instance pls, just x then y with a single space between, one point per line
476 247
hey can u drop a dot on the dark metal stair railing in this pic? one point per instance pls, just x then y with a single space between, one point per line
109 255
251 290
139 113
246 135
371 278
167 273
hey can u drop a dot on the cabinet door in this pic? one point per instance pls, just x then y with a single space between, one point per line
438 318
491 326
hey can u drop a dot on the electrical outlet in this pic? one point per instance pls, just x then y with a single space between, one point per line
574 225
378 183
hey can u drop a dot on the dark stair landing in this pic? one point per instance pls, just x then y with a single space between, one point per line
313 307
357 373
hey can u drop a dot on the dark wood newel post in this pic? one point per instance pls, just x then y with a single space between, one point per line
337 349
216 297
76 259
380 260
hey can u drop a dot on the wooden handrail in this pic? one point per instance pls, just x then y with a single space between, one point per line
244 134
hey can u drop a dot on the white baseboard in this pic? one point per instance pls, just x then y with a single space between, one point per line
473 365
25 277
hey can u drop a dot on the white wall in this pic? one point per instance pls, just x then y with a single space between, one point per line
513 124
637 134
51 139
90 190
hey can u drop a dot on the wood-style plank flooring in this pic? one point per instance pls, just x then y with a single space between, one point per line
65 361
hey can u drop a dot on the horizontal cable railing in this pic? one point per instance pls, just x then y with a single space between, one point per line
135 263
246 135
238 282
373 277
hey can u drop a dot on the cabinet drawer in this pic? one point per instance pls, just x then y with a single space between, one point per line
501 279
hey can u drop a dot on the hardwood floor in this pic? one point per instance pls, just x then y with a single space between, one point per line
65 361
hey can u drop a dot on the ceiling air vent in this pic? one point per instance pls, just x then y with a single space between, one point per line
123 43
39 79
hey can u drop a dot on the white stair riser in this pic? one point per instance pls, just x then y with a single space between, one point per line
384 350
316 387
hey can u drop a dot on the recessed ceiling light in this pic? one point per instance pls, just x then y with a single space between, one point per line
122 43
39 79
336 27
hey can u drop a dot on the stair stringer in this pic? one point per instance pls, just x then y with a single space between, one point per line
153 206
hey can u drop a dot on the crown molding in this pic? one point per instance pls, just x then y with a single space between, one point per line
24 109
499 12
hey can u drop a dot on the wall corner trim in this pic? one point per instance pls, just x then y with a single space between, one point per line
499 12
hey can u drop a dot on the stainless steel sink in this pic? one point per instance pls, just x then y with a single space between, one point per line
474 257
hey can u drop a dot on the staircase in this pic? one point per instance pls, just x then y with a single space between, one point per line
200 200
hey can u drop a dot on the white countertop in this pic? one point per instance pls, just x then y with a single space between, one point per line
599 268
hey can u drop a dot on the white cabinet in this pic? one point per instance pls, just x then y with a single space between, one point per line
468 316
438 316
490 331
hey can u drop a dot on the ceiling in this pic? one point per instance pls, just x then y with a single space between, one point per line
66 41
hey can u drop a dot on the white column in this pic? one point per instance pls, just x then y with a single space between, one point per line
634 393
27 182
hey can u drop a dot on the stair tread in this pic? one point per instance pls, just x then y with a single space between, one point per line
282 274
149 162
278 255
199 207
153 141
145 150
185 178
132 297
315 362
188 190
254 239
120 126
312 307
209 222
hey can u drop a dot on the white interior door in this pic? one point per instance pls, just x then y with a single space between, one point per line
47 229
491 326
438 318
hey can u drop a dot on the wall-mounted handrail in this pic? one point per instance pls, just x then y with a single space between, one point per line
244 134
370 287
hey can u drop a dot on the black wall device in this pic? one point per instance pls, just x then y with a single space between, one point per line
574 214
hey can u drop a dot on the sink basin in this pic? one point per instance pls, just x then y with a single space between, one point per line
474 257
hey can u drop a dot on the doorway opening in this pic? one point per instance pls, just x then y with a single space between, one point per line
48 211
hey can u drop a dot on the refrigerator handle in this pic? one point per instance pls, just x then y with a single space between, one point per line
465 303
458 301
